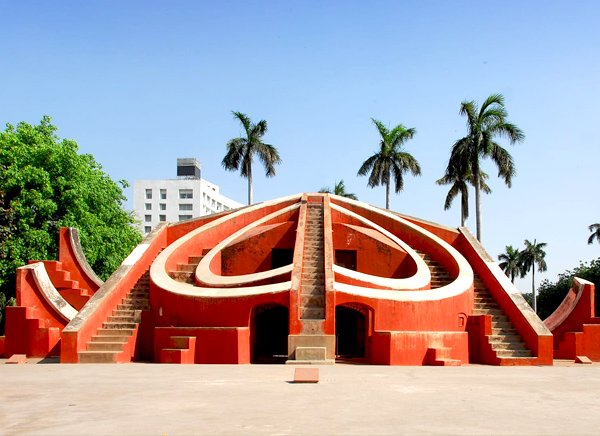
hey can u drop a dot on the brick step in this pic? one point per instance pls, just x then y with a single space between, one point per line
313 300
118 319
111 338
513 353
105 346
119 325
195 259
124 312
132 305
98 356
187 267
114 332
508 346
312 313
486 310
502 331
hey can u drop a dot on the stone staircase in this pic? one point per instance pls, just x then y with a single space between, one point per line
185 271
68 288
439 276
115 339
313 272
505 340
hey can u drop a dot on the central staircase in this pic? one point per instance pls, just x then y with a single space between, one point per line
505 339
115 340
313 272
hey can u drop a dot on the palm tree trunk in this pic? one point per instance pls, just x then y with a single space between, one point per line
387 194
533 288
462 217
250 196
477 200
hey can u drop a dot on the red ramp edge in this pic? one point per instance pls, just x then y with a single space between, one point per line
575 327
79 331
536 335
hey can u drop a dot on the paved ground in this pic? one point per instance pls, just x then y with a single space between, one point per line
258 399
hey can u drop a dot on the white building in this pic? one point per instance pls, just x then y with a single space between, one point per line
188 196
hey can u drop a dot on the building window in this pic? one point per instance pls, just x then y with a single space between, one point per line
148 206
147 229
185 217
185 207
163 194
162 217
148 218
148 194
186 193
163 206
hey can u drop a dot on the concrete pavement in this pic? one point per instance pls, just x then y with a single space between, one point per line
258 399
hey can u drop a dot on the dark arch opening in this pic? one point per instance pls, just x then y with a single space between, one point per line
271 329
350 332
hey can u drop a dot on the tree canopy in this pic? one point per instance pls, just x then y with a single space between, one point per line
339 188
46 184
484 124
241 151
391 160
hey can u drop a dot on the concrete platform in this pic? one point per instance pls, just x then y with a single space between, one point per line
158 399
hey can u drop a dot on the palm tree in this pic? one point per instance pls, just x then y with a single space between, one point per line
240 151
511 262
533 255
390 160
458 178
483 125
595 229
339 189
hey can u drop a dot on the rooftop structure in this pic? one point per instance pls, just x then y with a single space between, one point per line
173 200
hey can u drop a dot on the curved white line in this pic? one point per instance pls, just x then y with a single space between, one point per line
49 292
160 277
461 284
205 276
419 280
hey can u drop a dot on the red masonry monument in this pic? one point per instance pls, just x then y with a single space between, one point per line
309 278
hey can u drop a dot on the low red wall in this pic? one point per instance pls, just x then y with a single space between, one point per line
412 348
222 345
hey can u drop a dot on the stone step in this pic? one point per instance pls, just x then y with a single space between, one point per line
114 332
105 346
118 319
513 353
124 312
98 356
187 267
119 325
313 300
195 259
111 338
486 310
312 313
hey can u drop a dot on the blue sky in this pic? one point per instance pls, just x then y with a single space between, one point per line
140 83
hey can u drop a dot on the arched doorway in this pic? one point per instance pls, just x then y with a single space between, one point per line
270 336
351 332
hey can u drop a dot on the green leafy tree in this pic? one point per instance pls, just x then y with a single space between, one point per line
241 151
511 262
390 160
339 189
534 255
595 229
483 126
45 184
